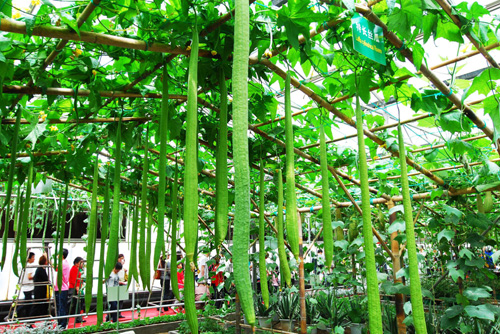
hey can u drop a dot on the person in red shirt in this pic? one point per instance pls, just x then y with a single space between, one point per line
75 285
217 279
180 281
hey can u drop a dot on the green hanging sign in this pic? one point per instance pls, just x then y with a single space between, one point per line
368 39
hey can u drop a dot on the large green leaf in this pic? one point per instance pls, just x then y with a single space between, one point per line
480 312
474 293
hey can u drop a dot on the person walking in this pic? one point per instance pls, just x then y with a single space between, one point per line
41 291
123 279
114 281
62 292
164 268
27 287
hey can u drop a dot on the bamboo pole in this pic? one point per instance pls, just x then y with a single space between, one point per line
350 122
60 45
82 121
389 126
16 89
396 266
448 9
307 156
397 80
432 170
446 193
9 25
441 86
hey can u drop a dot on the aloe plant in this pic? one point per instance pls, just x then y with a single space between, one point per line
287 305
332 310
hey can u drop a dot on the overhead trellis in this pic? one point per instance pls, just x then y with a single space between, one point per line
77 78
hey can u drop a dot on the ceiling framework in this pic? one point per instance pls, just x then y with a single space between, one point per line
89 37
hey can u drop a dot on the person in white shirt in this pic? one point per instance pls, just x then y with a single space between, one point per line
27 287
202 265
113 281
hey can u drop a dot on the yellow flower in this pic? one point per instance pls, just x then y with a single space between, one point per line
78 52
94 72
42 113
213 52
188 48
72 147
53 128
35 3
16 15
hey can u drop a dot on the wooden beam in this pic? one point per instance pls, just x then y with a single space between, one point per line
350 122
440 85
381 200
448 9
18 27
93 4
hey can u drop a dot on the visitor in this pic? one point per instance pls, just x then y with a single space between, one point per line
488 256
76 304
217 278
62 292
114 281
275 283
27 287
123 279
180 281
200 291
203 266
41 290
164 269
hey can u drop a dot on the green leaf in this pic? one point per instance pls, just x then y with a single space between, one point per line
474 293
480 312
396 208
485 187
455 121
452 211
397 225
481 83
449 30
448 234
465 252
35 133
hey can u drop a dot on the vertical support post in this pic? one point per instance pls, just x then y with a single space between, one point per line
133 298
396 265
302 286
238 314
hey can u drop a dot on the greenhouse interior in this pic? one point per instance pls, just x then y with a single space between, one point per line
243 166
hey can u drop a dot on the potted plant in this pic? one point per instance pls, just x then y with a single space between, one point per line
286 307
312 314
332 311
357 314
263 314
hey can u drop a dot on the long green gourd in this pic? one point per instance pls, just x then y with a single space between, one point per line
114 231
325 201
241 160
144 201
374 310
339 231
191 186
262 244
284 268
18 214
133 273
221 181
162 166
104 237
149 227
92 237
62 231
292 224
173 245
10 182
417 304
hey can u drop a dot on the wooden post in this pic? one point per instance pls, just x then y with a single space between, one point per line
238 314
302 286
396 265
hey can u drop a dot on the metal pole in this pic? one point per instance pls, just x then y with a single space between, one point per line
133 297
